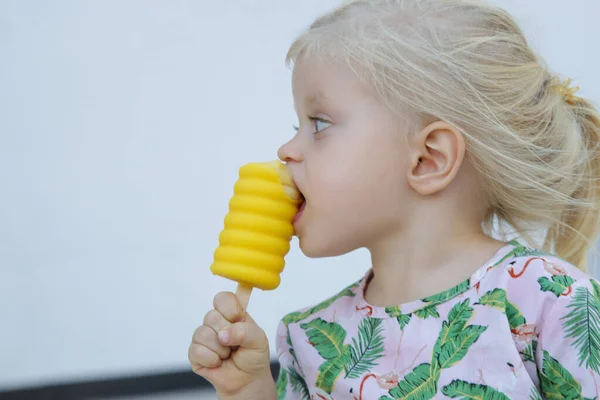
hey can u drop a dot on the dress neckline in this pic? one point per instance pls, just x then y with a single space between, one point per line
426 306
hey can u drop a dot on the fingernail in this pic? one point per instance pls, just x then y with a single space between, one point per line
224 336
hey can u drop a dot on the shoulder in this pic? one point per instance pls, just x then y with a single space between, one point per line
289 327
552 276
558 308
338 300
535 282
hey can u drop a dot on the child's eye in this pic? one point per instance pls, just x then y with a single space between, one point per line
320 124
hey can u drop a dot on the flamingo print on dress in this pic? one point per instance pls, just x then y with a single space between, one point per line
367 310
386 382
560 284
524 333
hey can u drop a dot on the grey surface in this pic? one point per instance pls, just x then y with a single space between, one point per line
182 395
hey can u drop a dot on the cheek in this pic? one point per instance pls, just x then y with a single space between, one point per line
331 190
345 213
359 185
346 204
362 179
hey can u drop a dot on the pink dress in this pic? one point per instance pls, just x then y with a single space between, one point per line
526 325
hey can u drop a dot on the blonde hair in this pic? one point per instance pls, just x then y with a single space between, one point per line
468 63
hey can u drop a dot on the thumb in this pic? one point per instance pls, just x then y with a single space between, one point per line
244 334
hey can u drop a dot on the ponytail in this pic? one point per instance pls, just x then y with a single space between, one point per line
572 236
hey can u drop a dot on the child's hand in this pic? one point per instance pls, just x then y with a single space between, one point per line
231 351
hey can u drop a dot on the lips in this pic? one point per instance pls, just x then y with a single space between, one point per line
302 200
300 212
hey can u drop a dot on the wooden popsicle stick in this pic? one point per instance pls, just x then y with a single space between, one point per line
243 293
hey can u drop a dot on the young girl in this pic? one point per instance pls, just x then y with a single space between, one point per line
427 128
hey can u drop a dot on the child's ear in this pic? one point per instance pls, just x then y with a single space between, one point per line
436 154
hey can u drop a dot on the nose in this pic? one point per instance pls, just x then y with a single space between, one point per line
290 151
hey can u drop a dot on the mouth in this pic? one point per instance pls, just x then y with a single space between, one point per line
294 191
300 210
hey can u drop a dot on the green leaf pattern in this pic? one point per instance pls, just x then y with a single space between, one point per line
395 312
559 285
430 310
281 384
458 389
556 382
535 394
426 312
496 298
367 349
418 384
529 353
452 345
328 339
300 316
448 294
582 324
298 384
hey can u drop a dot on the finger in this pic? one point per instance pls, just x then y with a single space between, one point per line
202 356
244 334
227 304
207 336
215 320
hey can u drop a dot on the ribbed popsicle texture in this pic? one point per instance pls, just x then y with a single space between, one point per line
258 227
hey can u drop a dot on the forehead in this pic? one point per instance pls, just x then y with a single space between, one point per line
319 80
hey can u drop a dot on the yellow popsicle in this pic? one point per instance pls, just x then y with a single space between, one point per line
258 228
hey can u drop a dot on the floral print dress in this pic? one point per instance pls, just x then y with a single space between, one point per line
526 325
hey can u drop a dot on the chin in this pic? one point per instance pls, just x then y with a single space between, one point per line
319 248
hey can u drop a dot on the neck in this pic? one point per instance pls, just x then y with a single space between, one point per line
428 258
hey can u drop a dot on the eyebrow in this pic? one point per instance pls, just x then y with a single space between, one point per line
319 98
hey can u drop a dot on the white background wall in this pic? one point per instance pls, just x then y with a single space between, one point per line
122 127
